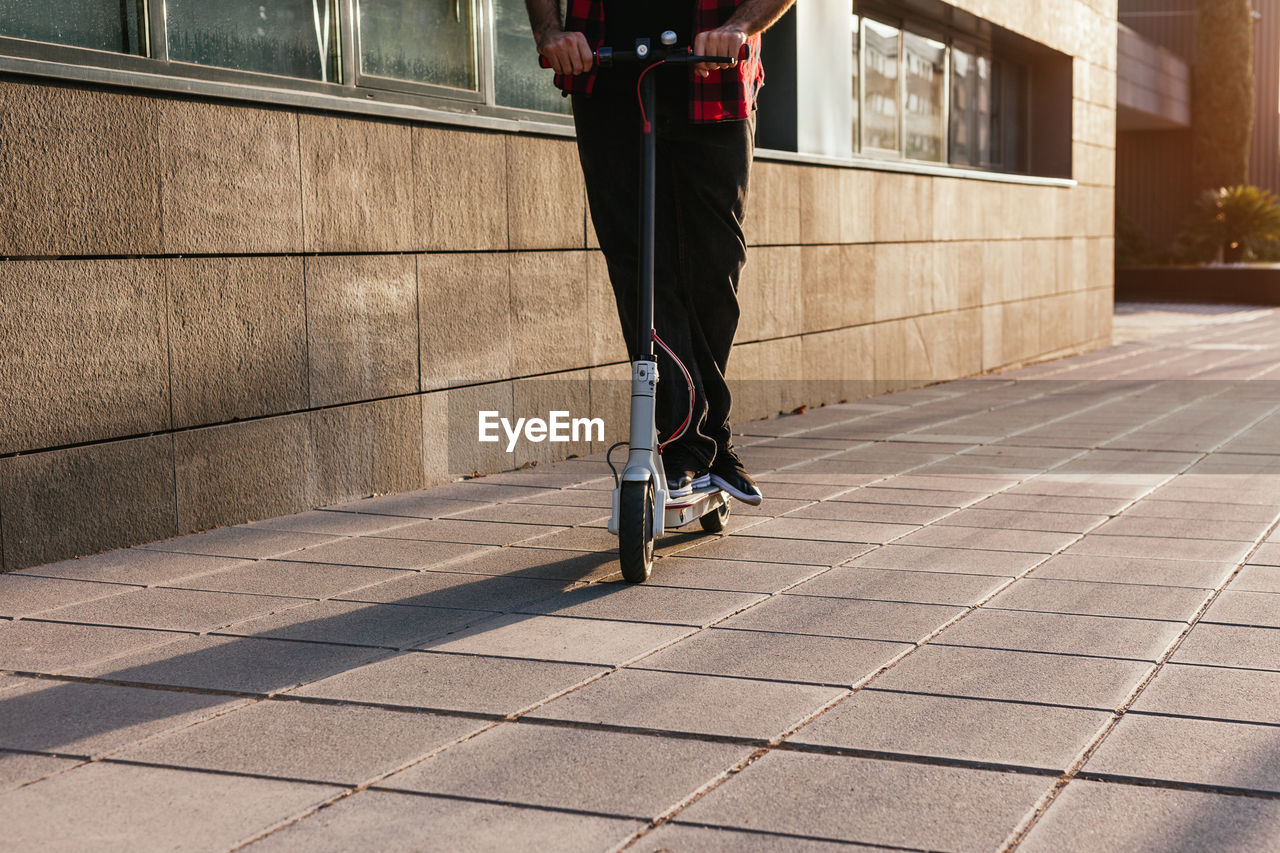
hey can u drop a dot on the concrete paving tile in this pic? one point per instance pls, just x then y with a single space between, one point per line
912 497
957 560
278 577
858 799
487 685
870 513
341 744
741 576
1184 490
418 504
1139 639
678 836
845 617
531 513
247 665
18 769
332 523
772 508
612 772
133 566
819 473
1140 570
128 808
1238 607
89 719
1205 752
767 654
27 595
1016 519
1018 676
1150 546
409 823
1098 817
957 728
698 704
986 539
1085 598
1081 486
1183 528
1247 695
1267 554
894 585
643 603
469 532
805 491
776 550
173 609
459 589
1231 645
557 638
481 489
247 542
57 647
1257 579
1054 503
826 530
1201 511
568 497
386 553
586 538
546 563
358 623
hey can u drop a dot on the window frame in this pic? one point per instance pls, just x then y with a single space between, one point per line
154 69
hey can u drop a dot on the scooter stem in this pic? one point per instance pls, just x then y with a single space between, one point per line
647 215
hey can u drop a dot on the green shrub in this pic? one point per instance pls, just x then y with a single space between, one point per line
1222 93
1231 224
1133 246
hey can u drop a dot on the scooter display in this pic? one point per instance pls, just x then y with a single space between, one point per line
642 507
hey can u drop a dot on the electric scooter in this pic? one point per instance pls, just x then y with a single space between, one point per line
642 507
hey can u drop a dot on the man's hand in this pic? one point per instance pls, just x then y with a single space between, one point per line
722 41
568 52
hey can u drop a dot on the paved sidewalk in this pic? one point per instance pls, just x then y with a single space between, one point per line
1036 610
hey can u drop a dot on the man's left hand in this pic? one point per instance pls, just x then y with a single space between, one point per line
722 41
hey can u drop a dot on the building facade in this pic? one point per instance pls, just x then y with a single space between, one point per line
256 258
1155 58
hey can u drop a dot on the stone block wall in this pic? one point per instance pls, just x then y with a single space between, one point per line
216 311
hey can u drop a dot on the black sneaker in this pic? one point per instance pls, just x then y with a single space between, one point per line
684 474
728 473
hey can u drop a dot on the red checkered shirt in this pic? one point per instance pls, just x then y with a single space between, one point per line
725 95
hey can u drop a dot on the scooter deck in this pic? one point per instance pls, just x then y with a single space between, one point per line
682 511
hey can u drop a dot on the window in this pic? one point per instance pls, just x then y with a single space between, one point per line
932 98
924 101
291 38
465 55
518 80
881 92
419 41
114 25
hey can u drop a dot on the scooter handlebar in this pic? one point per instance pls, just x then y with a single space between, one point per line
607 56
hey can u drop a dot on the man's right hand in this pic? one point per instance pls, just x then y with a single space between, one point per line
568 52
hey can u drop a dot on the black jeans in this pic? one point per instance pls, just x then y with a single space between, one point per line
702 172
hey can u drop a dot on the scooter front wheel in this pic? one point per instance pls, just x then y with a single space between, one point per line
635 531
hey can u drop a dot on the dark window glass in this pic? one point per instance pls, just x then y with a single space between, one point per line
422 41
293 38
964 107
115 25
519 81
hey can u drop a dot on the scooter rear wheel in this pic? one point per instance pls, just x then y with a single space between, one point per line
716 520
635 531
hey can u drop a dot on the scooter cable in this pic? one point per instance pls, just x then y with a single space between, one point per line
644 119
688 380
